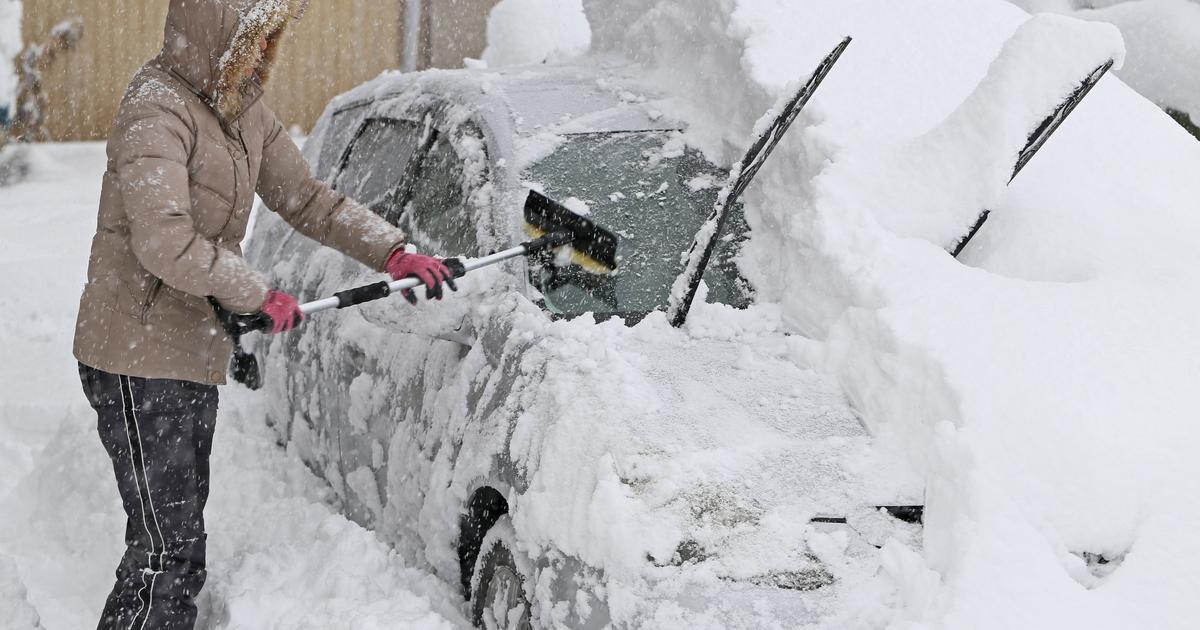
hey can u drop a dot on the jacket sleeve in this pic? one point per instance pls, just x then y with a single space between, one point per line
287 186
150 148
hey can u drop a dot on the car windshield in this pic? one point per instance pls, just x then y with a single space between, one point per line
653 193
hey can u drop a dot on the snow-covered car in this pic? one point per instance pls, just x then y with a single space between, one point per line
544 436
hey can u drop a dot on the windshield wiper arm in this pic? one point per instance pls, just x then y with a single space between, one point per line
684 289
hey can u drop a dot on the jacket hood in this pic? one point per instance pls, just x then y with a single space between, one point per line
210 44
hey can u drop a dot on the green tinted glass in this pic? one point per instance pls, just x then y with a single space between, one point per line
435 214
341 131
654 194
378 160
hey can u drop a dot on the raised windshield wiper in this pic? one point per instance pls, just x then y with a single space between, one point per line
684 289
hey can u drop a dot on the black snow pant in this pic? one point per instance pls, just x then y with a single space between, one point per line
159 434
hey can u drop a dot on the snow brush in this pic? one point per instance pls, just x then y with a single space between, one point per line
551 224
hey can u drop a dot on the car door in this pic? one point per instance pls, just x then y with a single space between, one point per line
303 267
393 386
371 170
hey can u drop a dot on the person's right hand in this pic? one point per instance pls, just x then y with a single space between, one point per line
283 310
431 271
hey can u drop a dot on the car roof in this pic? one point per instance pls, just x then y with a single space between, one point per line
523 114
526 101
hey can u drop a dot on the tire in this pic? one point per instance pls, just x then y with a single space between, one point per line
500 582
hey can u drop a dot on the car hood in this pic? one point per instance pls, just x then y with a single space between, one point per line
652 447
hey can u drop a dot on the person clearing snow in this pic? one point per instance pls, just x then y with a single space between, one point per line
191 145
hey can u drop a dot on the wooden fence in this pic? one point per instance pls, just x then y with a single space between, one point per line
339 44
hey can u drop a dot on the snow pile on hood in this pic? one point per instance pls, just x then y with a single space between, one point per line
1164 45
713 451
10 46
522 32
1041 390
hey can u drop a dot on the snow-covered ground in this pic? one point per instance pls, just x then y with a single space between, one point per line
279 555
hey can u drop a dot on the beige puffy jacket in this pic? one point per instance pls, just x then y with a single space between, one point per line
191 144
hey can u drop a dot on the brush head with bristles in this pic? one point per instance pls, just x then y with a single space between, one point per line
593 247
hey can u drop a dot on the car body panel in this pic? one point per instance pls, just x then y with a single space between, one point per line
640 463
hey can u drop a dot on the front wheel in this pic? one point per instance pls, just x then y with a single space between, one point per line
499 599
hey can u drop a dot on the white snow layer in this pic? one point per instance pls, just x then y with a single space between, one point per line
522 32
1043 387
10 46
280 557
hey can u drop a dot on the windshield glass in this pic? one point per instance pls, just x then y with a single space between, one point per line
653 194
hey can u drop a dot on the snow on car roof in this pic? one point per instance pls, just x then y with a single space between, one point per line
524 114
562 99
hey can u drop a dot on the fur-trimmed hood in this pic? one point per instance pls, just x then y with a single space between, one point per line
209 44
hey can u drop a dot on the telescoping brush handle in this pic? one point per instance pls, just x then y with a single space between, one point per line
237 325
458 267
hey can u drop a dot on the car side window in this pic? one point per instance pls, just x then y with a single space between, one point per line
435 215
374 170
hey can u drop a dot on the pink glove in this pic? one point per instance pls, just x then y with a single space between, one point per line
429 270
283 310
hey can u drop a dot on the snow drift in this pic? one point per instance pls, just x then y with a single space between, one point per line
1041 387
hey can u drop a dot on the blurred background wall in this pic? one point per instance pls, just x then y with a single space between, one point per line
339 44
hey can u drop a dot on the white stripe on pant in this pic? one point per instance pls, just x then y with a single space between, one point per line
129 411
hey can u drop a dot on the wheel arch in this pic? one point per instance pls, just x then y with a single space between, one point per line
485 506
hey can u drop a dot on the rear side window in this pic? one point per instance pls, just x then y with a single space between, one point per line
435 213
375 168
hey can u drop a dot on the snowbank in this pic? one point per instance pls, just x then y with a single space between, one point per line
522 32
1042 389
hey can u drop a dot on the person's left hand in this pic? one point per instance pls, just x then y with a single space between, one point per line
284 311
429 270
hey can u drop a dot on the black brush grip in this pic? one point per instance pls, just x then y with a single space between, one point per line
359 295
